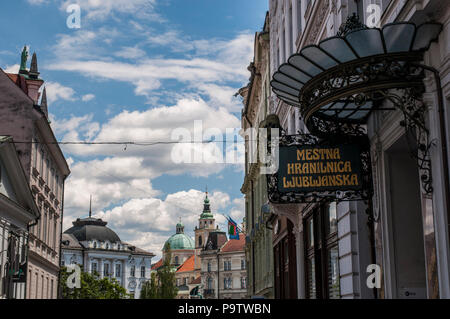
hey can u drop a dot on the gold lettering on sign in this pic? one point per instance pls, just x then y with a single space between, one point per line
320 167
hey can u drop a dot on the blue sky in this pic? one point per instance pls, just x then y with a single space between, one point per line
137 70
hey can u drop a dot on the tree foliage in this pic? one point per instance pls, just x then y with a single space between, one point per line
92 287
162 284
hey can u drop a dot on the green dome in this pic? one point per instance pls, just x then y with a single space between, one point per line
179 241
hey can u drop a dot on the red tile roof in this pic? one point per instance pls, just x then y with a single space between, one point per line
157 265
234 244
13 77
188 265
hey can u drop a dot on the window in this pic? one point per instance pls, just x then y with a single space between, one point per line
322 254
200 242
132 271
41 162
176 262
242 264
47 171
209 283
227 283
107 246
35 151
94 268
106 270
44 222
227 265
142 271
63 262
55 227
118 270
209 267
243 282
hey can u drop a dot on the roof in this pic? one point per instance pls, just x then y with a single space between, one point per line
216 239
188 265
69 241
234 244
179 241
197 281
157 265
92 229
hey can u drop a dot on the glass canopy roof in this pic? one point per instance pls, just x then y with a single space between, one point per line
335 54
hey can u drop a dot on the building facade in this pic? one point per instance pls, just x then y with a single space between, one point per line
18 212
257 98
403 227
224 270
24 116
98 249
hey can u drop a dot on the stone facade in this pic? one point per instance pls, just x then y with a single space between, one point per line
256 99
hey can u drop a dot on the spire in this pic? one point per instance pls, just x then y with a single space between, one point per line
44 106
23 61
206 208
34 73
90 207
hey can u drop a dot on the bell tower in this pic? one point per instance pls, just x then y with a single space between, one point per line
206 224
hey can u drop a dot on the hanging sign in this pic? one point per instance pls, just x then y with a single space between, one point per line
305 169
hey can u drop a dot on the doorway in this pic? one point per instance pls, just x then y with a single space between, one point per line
407 260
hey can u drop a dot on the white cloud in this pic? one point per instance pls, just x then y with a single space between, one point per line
130 53
56 91
149 222
101 9
14 69
206 65
87 97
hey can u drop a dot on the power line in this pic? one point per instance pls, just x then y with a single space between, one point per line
125 143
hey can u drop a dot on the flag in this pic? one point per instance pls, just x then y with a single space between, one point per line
232 229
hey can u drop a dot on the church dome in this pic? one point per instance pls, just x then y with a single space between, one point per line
88 229
179 240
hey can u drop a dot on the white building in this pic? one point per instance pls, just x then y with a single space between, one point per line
95 247
18 212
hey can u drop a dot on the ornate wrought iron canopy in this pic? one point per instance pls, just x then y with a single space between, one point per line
342 79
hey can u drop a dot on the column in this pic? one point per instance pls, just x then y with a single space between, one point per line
102 262
299 247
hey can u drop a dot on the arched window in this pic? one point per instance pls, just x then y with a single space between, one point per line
95 245
200 241
107 246
176 260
